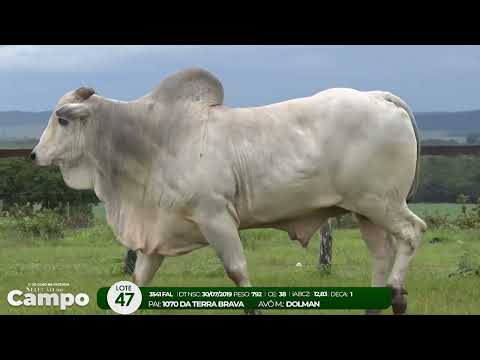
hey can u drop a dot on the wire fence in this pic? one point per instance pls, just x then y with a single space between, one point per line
66 204
47 200
33 193
427 150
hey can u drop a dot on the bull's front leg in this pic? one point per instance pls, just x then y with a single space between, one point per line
221 231
145 268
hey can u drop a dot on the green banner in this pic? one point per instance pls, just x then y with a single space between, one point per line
288 298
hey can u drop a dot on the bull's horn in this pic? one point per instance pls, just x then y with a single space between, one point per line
84 92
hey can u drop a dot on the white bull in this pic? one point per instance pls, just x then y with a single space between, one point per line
177 170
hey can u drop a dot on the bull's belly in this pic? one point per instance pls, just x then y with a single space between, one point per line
278 204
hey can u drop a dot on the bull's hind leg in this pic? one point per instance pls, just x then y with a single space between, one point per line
381 247
407 229
146 267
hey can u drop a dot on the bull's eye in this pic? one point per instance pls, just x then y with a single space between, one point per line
62 121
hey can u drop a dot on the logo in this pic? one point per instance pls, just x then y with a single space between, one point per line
124 297
46 294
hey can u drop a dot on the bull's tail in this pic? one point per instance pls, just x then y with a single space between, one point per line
400 103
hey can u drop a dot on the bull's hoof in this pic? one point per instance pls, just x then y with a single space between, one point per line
373 312
253 312
399 308
399 301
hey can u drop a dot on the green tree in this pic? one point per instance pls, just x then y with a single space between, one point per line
21 182
473 138
443 178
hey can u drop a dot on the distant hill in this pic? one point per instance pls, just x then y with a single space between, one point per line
15 117
20 124
456 123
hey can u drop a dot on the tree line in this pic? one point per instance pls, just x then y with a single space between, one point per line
442 179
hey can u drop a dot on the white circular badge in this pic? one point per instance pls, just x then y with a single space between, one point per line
124 297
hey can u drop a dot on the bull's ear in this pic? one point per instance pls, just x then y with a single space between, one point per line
73 111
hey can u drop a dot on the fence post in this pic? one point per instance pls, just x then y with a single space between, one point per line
129 262
326 247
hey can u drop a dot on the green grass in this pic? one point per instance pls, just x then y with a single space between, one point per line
452 210
421 209
91 258
99 212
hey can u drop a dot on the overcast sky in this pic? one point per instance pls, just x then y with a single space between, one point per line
429 78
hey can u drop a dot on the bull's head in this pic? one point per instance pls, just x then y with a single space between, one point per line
63 141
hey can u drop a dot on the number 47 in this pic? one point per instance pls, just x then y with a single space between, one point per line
121 299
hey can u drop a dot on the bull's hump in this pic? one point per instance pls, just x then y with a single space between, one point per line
194 85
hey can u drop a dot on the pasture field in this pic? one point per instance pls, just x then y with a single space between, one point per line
449 209
91 258
421 209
